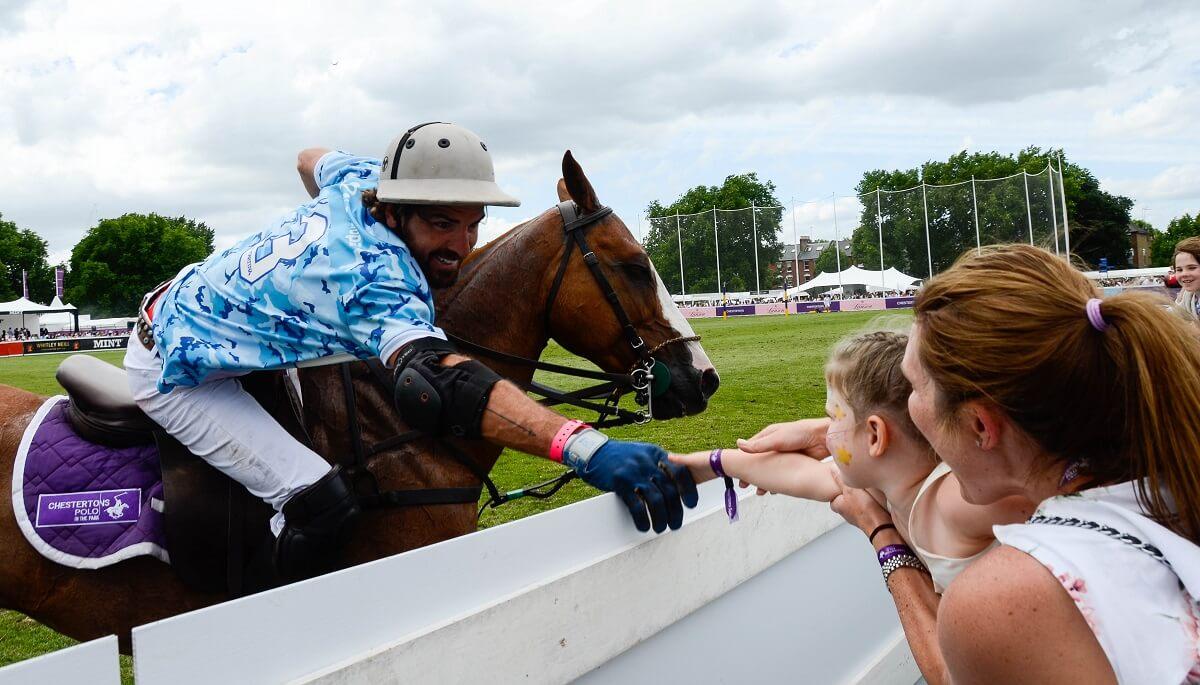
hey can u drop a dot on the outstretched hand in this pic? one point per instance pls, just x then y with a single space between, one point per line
806 436
654 489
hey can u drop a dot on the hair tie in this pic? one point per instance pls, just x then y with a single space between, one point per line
1094 315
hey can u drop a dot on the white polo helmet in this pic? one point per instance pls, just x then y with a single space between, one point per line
440 164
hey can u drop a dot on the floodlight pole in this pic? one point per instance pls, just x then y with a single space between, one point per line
679 241
754 227
1062 196
1028 209
879 224
837 250
1053 210
928 250
717 246
975 207
795 246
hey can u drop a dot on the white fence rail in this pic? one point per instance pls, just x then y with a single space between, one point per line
785 593
94 663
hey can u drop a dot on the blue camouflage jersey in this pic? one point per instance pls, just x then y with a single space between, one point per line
323 281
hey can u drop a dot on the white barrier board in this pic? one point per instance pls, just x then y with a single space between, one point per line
822 615
543 599
94 663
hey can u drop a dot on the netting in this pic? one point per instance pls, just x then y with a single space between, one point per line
741 255
919 231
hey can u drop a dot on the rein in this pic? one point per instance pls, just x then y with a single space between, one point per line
646 378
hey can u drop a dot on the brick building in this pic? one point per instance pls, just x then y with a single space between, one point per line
806 261
1139 247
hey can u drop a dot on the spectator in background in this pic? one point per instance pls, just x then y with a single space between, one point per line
1186 266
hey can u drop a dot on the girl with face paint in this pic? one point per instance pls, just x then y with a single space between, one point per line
872 444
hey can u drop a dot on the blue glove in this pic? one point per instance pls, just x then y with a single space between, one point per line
640 475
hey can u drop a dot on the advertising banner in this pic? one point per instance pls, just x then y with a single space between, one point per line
736 310
808 307
73 345
770 308
872 304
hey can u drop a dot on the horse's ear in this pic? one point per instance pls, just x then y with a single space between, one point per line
577 185
563 195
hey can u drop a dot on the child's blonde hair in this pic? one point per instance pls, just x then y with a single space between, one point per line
865 369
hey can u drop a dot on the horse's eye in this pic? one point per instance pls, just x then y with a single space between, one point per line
636 271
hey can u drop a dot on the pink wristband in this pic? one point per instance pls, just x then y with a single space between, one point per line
560 438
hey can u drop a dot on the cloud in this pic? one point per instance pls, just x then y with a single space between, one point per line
816 218
1180 182
12 15
200 109
1167 112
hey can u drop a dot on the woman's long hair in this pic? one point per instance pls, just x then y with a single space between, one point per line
1009 326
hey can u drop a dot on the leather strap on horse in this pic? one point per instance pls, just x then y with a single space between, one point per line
571 224
359 471
614 385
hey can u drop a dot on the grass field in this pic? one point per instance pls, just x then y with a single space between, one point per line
770 371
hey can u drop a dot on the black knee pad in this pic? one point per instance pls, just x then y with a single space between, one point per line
441 400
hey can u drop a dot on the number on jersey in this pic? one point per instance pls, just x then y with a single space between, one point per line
260 258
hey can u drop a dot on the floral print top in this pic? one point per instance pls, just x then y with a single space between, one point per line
1132 579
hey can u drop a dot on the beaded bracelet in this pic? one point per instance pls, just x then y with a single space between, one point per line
901 561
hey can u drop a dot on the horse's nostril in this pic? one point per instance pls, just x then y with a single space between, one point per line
709 382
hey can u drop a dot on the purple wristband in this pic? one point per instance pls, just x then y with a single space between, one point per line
890 551
714 461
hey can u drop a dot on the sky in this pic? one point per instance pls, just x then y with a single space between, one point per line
199 109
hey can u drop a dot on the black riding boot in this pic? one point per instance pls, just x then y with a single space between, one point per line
317 521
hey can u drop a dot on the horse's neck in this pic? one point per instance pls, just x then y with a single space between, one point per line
499 300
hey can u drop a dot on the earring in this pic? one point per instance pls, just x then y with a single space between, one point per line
979 442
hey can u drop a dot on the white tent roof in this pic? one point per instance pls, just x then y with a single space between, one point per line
856 276
62 317
895 275
25 306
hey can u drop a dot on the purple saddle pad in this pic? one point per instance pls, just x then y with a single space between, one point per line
86 505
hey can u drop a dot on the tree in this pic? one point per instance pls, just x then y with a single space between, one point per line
1098 220
693 229
1162 246
22 249
120 259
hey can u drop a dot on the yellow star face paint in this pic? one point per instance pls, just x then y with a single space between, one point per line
838 412
842 454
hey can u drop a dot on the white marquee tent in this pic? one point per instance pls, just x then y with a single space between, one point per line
15 313
59 320
892 279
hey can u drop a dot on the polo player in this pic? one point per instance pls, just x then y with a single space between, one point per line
351 272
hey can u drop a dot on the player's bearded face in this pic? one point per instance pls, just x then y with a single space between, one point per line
439 237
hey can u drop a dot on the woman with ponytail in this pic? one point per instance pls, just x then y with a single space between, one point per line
1026 383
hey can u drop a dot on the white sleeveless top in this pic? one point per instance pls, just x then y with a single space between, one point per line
942 569
1131 578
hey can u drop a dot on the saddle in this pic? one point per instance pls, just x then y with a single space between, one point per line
213 526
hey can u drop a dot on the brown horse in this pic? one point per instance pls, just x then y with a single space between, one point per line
500 300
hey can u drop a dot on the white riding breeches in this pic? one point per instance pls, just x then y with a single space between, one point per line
223 425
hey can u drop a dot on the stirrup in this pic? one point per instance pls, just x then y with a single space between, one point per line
317 521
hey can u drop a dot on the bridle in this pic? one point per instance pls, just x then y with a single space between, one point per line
647 378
